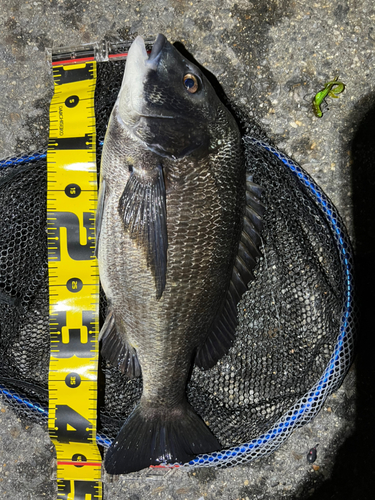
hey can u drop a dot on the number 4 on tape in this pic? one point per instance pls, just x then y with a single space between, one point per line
73 282
79 490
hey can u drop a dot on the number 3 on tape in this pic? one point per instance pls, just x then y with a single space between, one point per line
73 282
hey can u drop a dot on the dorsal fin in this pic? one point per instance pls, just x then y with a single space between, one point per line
221 336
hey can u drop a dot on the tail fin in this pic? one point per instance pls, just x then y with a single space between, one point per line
151 437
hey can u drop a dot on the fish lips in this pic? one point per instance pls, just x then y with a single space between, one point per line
156 107
156 51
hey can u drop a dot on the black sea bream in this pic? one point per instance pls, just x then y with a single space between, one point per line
178 228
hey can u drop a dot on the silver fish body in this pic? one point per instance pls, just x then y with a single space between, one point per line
173 249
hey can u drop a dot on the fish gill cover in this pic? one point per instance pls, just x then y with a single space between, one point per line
294 341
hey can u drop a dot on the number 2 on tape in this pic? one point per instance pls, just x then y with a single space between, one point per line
73 282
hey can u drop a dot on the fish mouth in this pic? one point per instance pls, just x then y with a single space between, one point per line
156 51
137 54
138 65
152 63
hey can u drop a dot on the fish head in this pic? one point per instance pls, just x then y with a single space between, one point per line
167 103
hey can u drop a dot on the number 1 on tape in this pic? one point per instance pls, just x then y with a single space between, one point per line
73 282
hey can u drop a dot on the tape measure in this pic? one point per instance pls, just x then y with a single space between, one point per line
73 282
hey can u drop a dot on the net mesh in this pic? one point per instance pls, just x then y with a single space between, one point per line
295 337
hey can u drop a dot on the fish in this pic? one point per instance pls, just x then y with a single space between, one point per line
178 224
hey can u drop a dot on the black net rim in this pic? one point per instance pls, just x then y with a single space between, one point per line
307 407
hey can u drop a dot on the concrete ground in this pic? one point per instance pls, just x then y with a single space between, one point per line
271 57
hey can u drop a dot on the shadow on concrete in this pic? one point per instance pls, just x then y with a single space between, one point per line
353 477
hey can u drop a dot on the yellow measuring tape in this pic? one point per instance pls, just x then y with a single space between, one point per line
73 282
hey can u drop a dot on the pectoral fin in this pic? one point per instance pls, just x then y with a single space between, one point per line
142 208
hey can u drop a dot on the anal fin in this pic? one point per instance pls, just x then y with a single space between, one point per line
222 333
117 350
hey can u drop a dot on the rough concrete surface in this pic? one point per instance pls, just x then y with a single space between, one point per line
271 57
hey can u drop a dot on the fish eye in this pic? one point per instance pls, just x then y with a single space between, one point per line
191 83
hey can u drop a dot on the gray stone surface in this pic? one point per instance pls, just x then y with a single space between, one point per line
271 57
